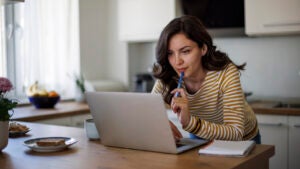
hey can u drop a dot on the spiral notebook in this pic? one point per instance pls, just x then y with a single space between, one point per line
228 148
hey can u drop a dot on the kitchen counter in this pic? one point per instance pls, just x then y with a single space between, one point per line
269 107
62 109
65 109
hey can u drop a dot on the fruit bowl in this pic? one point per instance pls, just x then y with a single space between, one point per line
44 102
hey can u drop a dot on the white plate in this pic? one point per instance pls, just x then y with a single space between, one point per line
32 144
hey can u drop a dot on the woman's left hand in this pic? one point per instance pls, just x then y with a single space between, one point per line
180 106
176 133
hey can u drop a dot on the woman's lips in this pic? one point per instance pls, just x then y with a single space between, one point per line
181 70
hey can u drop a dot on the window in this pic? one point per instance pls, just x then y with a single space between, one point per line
2 43
42 44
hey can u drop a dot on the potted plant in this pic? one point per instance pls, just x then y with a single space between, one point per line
80 88
6 110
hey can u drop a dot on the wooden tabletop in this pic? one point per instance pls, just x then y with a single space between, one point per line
93 155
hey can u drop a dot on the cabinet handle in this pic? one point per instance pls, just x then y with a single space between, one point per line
281 24
297 125
270 124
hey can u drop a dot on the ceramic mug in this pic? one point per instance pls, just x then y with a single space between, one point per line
91 130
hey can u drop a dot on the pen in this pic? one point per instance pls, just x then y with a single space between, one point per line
179 83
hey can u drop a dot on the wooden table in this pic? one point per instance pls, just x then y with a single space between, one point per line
93 155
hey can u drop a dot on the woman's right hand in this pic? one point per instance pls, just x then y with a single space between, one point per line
180 107
176 133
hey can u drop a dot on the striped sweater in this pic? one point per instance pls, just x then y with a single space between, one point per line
219 109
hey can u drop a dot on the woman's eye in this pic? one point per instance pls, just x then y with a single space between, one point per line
186 51
169 53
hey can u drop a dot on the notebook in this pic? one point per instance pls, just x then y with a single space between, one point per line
228 148
135 121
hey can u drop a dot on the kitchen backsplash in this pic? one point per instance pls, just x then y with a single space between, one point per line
273 63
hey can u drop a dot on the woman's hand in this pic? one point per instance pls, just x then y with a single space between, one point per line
180 106
176 133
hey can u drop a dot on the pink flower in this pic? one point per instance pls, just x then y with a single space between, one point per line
5 85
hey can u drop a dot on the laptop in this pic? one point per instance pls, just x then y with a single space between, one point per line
136 121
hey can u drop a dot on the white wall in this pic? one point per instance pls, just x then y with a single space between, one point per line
103 56
273 64
93 34
117 58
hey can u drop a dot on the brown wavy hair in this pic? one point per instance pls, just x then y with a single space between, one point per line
194 30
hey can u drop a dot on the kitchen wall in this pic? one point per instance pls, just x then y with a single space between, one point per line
93 46
273 63
103 56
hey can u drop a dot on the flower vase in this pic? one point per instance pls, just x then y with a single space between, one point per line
3 134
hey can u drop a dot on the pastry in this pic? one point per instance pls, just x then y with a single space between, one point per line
17 127
50 142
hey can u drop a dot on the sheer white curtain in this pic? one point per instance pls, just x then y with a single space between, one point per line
49 44
2 42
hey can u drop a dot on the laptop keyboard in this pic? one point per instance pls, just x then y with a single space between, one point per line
180 144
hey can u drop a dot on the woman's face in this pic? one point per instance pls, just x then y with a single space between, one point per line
184 55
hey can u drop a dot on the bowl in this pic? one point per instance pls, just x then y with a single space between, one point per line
44 102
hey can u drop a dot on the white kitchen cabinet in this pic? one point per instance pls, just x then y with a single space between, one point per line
271 17
61 121
78 120
143 20
294 142
274 131
73 120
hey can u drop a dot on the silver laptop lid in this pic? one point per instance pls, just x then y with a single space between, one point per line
132 120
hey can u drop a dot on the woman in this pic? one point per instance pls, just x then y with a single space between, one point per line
211 103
